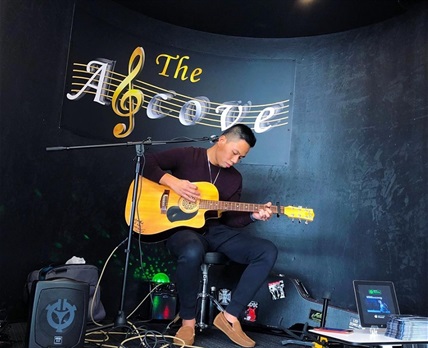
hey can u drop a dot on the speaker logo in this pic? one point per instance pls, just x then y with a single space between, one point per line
60 315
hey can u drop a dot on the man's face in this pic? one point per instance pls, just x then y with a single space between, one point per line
230 151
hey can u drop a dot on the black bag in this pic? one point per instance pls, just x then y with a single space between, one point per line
81 272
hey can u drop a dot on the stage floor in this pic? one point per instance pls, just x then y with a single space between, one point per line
13 335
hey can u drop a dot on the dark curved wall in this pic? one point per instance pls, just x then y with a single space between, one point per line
358 157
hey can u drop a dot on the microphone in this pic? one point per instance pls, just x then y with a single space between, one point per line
213 138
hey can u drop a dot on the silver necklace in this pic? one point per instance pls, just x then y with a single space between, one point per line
209 169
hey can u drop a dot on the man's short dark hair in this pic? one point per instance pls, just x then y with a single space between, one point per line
243 132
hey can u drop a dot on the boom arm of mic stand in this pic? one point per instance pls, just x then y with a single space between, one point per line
121 317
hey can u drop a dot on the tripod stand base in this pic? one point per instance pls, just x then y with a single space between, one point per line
120 319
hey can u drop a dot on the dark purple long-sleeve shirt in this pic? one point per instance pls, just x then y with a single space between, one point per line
192 164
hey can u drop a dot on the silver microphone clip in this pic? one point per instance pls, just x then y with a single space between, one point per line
213 139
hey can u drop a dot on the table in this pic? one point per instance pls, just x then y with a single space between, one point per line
363 337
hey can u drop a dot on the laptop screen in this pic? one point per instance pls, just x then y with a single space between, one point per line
376 301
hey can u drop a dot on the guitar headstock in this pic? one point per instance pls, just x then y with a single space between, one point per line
299 213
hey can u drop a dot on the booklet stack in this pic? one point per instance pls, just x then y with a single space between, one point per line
407 327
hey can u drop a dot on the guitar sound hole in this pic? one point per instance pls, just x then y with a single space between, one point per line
187 206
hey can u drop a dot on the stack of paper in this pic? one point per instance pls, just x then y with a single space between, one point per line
407 327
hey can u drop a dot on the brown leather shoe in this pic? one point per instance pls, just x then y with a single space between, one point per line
185 334
233 331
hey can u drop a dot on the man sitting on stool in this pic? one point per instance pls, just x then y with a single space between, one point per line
177 169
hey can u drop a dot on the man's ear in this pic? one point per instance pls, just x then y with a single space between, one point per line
222 139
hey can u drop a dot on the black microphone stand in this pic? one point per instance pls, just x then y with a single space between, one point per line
120 319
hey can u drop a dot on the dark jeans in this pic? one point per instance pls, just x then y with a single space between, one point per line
189 247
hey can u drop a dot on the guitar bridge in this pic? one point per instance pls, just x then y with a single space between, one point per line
164 202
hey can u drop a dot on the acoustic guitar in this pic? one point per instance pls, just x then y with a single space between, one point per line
159 209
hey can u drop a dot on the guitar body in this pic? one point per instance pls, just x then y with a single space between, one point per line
159 209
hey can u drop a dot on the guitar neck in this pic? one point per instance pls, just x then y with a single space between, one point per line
292 212
234 206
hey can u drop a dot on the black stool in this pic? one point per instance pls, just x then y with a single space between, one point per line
211 258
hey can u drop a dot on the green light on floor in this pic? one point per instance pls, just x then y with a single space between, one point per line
160 278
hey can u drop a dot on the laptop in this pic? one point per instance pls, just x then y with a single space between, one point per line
376 302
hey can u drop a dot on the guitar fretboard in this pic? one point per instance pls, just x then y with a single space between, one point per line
233 206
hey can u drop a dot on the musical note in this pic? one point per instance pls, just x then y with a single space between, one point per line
131 101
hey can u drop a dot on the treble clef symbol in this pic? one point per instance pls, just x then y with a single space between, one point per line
131 101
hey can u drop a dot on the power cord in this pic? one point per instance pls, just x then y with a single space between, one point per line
101 337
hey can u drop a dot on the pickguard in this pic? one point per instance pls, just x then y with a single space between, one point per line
176 214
